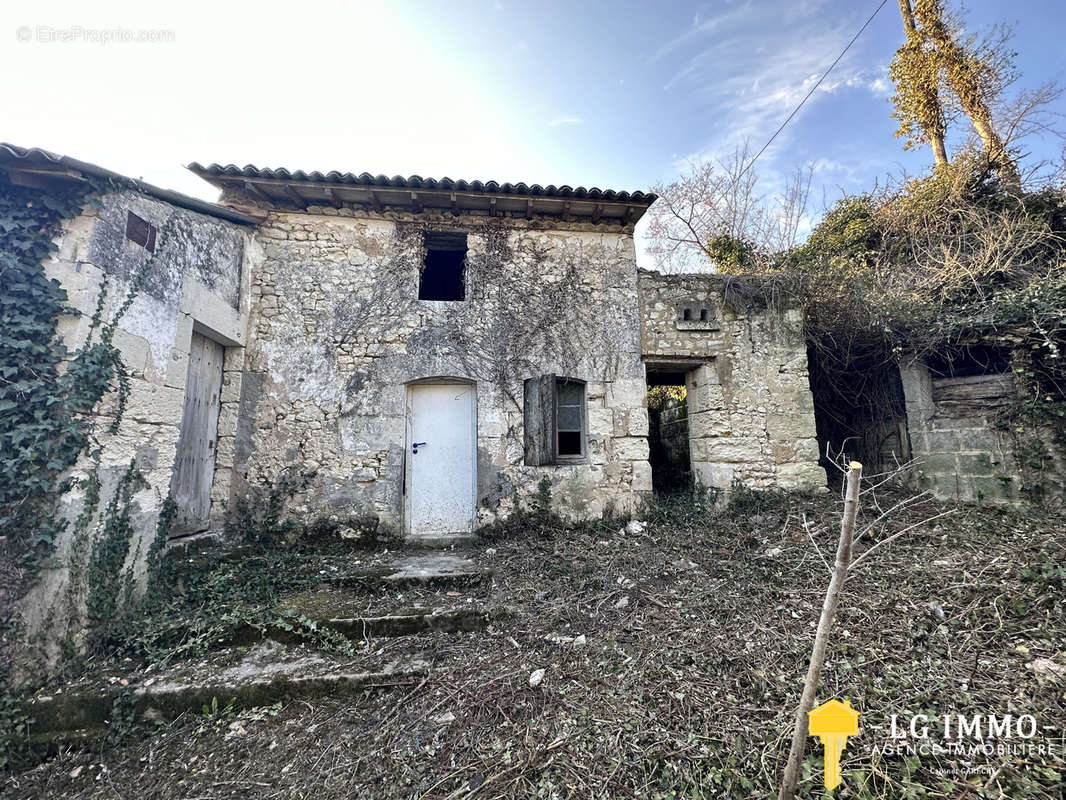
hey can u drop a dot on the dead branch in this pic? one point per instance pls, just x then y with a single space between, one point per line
821 639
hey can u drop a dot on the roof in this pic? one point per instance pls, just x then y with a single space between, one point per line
299 188
41 169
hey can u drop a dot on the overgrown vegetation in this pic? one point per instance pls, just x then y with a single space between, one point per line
42 430
672 658
50 406
940 267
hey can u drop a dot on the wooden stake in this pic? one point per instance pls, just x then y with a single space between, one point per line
821 639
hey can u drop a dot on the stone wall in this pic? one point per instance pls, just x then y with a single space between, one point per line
751 415
337 333
962 453
199 280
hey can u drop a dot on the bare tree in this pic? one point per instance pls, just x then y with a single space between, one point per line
718 200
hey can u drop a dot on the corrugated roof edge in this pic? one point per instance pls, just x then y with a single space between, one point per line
219 171
12 153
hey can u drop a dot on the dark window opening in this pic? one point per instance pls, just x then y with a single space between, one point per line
967 362
140 231
442 275
703 315
569 418
687 315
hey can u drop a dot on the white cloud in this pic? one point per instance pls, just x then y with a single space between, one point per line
753 74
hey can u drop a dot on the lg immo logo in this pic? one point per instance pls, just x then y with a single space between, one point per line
959 734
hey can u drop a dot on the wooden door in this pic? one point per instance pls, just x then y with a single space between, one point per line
441 446
194 465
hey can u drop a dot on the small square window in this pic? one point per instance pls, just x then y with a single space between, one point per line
140 231
443 270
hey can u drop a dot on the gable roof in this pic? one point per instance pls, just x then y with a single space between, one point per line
299 188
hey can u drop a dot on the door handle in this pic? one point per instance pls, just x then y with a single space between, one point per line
415 446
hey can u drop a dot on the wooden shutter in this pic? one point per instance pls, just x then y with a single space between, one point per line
540 420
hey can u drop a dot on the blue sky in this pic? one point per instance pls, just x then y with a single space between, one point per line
615 94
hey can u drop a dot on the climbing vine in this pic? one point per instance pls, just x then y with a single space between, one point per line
50 404
47 393
41 434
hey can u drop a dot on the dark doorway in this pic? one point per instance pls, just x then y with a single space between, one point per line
668 441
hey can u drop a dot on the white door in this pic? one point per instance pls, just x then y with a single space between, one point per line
441 445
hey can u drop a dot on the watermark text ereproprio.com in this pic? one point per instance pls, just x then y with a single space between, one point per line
78 34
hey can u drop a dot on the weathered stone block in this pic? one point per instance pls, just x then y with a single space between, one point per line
641 476
233 359
803 477
714 476
630 448
783 452
231 387
153 403
940 464
638 422
706 398
177 369
941 442
794 425
995 489
976 464
626 393
734 450
601 421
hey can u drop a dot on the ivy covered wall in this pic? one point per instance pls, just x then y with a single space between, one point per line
93 355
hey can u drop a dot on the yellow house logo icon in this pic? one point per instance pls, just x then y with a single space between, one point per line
833 722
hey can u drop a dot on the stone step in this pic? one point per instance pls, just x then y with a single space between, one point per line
264 677
440 620
340 611
427 569
439 541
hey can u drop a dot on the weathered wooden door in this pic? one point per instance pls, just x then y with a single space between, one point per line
441 447
194 466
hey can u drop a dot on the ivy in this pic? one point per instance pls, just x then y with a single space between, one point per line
46 411
110 549
40 434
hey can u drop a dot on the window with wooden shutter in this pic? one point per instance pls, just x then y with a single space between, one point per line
556 421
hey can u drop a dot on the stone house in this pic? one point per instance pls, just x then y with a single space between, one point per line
431 350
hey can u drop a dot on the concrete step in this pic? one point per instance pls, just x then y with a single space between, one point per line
426 569
441 620
346 613
440 541
432 568
268 673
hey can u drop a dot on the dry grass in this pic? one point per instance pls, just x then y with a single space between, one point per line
696 639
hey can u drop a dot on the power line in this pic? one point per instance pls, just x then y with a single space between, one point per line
814 88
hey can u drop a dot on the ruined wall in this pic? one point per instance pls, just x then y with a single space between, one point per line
198 279
963 454
751 415
337 332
